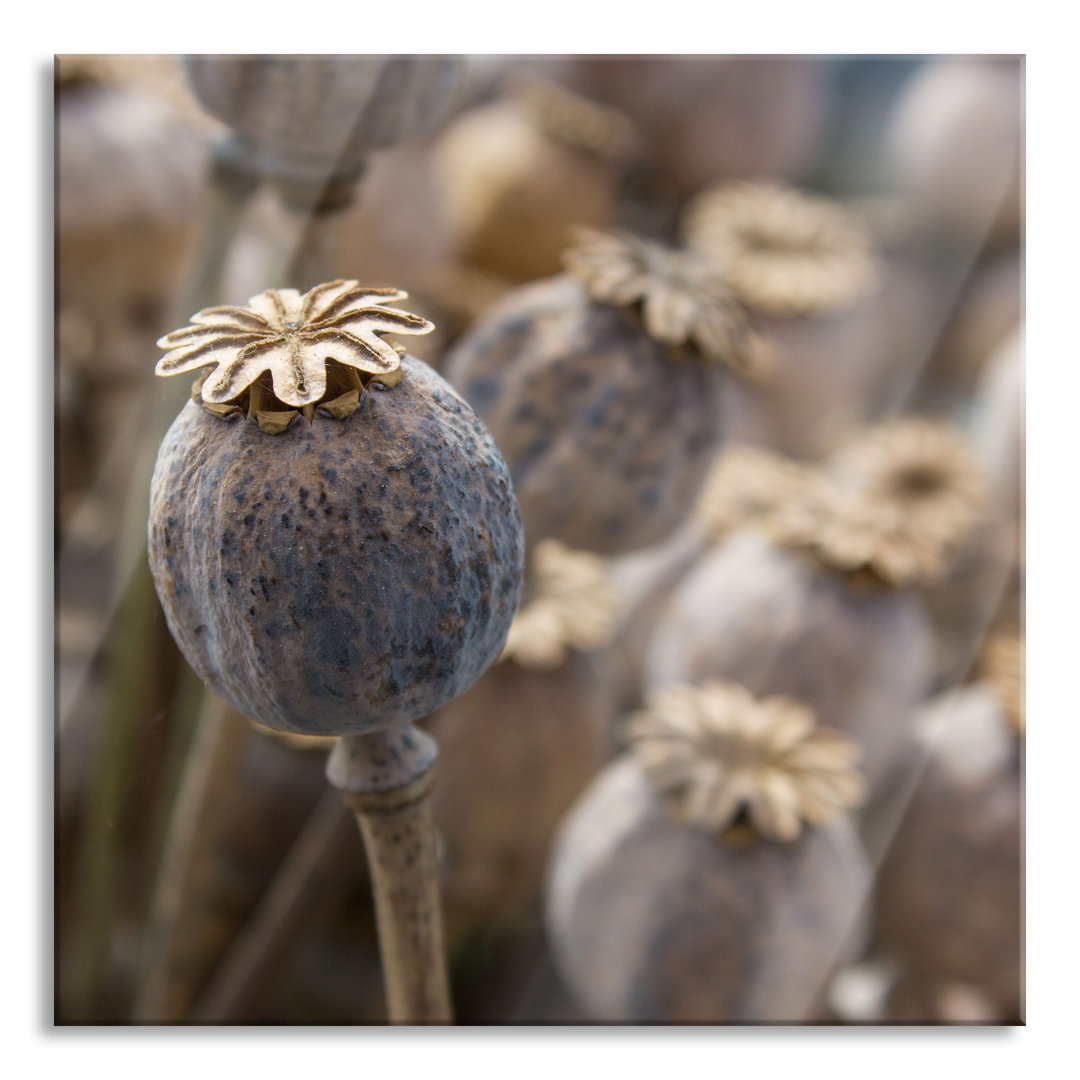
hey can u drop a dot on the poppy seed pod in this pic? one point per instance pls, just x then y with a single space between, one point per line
341 572
602 389
926 470
706 118
710 875
313 118
856 651
810 272
517 174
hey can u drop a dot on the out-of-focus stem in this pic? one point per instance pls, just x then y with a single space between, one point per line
301 885
176 947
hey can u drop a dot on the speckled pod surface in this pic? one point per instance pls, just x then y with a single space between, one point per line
652 921
607 435
950 887
860 657
341 576
514 752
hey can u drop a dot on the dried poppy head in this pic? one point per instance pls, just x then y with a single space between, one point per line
314 118
318 349
922 468
748 483
604 386
719 753
846 531
332 577
785 253
683 299
573 606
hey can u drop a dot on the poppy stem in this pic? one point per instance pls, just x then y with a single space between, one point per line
385 778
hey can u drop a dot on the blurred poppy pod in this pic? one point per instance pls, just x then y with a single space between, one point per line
742 484
809 272
517 174
518 747
956 141
312 121
811 600
705 119
948 899
602 388
926 471
129 192
710 875
346 570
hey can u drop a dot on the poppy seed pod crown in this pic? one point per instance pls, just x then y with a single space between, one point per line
351 560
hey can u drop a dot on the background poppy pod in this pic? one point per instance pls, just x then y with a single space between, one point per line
717 906
754 611
581 378
345 574
948 900
509 774
308 118
811 273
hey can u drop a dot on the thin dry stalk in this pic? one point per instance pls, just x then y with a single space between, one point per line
175 957
276 925
385 778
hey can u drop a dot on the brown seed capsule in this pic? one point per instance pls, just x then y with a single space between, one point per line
346 573
858 653
926 470
810 272
517 174
706 118
685 885
315 118
608 418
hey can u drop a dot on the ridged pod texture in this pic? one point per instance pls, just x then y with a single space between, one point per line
344 575
607 435
652 921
